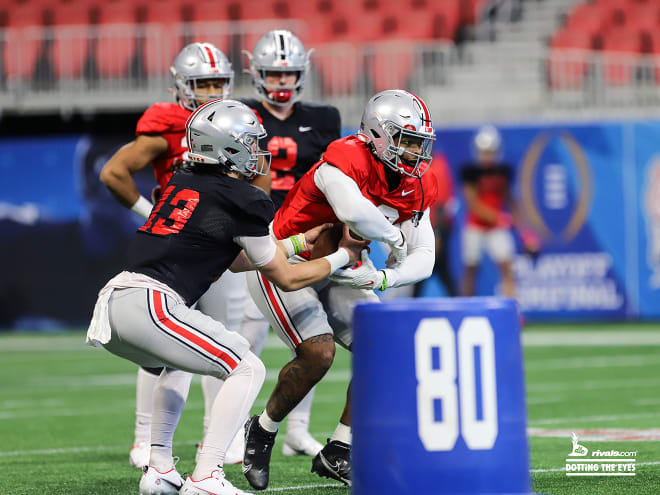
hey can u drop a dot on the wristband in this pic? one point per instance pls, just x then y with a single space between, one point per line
338 259
299 243
142 207
383 285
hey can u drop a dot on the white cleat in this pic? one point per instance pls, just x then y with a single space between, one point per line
139 456
300 443
153 482
216 484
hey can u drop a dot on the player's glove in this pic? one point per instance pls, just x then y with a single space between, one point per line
400 250
362 276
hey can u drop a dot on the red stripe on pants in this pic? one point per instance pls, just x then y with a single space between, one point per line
186 334
280 314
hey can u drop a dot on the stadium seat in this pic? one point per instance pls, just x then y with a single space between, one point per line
447 18
21 62
116 46
567 67
592 19
416 24
643 17
471 10
391 66
25 14
71 13
339 67
164 11
621 52
69 53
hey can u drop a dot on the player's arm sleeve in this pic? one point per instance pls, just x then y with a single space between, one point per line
259 250
352 208
418 265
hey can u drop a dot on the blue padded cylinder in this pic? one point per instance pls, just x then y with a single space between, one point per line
439 398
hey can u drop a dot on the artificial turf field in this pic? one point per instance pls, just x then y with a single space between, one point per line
67 413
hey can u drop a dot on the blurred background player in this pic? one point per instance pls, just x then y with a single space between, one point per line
298 134
491 213
201 73
207 220
375 184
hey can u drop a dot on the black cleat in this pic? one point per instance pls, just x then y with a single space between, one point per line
258 447
334 461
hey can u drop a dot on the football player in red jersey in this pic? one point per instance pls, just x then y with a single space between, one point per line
375 184
491 213
208 219
298 134
201 73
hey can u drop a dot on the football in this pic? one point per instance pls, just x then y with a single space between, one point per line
328 241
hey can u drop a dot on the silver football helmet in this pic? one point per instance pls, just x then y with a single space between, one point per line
487 140
397 127
195 63
227 133
279 51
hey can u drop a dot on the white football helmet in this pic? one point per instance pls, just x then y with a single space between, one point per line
279 51
392 122
199 61
227 133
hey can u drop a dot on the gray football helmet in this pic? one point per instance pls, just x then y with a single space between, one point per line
393 121
281 51
199 61
487 140
227 133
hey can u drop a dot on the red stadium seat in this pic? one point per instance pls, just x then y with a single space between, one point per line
621 53
339 67
643 17
472 10
25 14
116 46
567 67
69 53
21 62
416 24
164 11
391 66
592 19
448 18
209 10
71 13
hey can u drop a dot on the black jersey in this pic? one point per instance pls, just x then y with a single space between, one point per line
297 142
187 242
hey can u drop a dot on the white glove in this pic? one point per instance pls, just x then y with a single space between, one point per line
400 251
365 276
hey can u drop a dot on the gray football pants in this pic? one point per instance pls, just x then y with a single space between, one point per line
153 330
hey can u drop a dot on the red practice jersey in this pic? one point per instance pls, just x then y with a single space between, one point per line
493 184
169 121
305 206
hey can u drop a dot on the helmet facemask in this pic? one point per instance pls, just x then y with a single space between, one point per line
190 96
278 51
407 151
278 94
259 161
195 66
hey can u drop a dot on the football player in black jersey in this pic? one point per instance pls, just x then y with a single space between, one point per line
207 220
298 134
491 213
